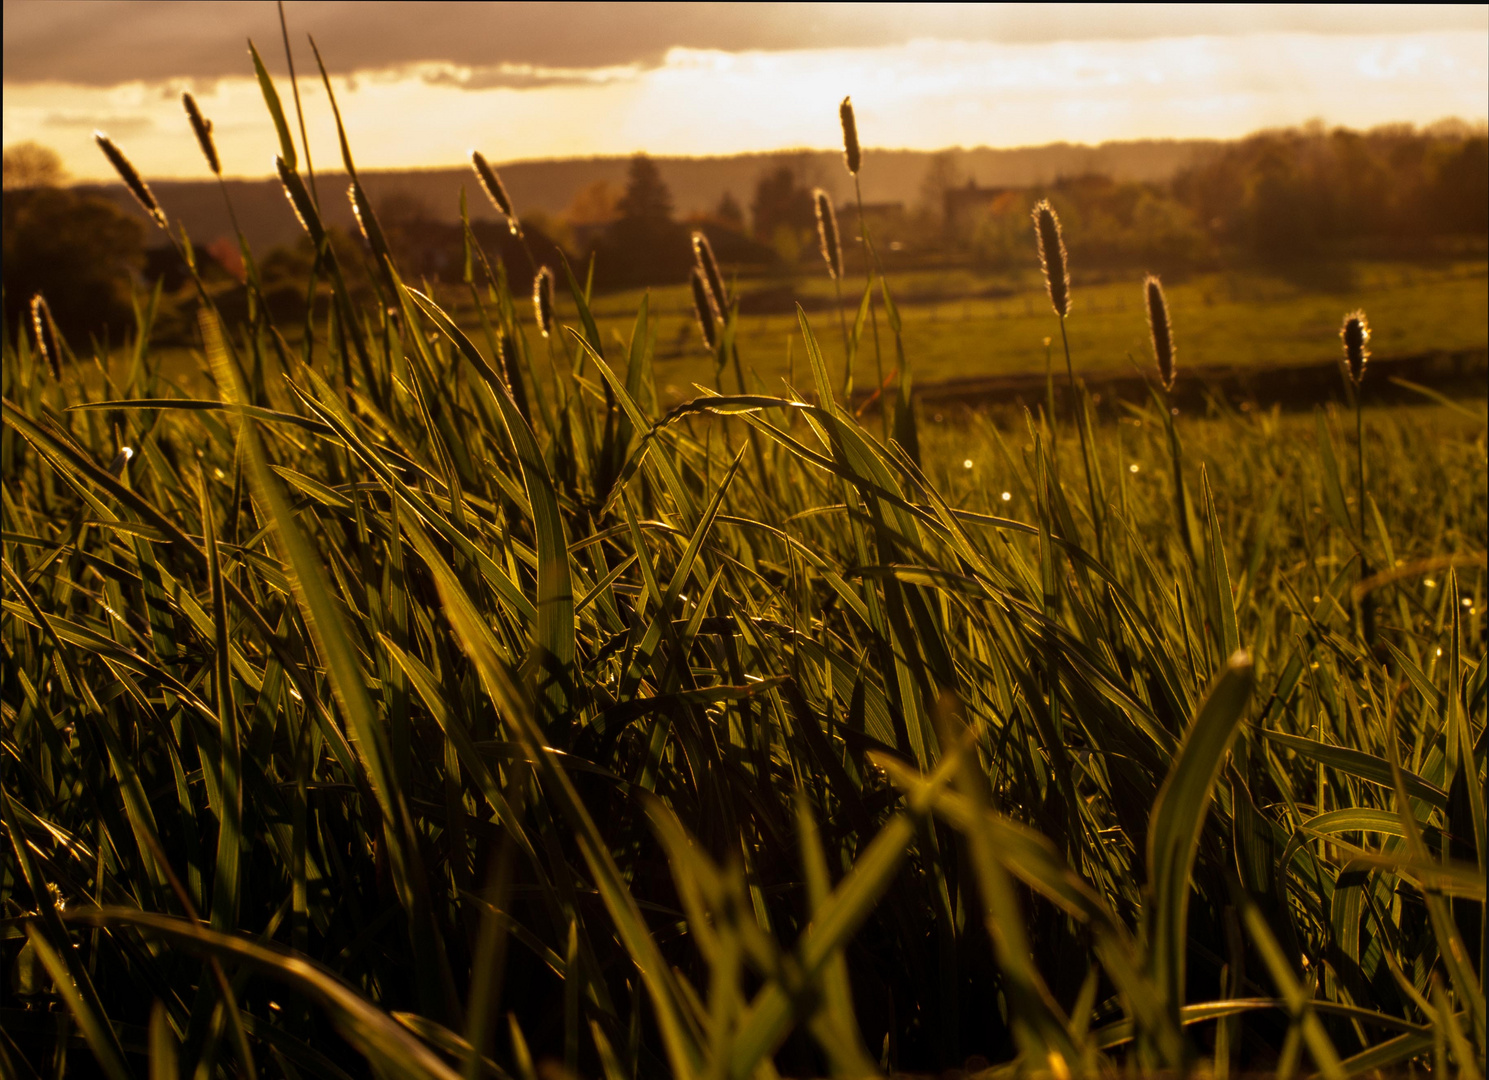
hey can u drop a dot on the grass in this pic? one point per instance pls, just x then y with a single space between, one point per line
395 710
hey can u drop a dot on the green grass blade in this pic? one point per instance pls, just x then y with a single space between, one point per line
1178 818
276 111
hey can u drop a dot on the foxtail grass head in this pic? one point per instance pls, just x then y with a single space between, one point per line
202 127
852 156
1355 333
703 257
543 299
827 234
495 190
1159 328
300 202
1052 257
132 179
361 212
703 309
46 335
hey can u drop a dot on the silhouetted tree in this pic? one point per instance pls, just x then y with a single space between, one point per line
643 246
647 198
30 165
1283 193
79 251
1460 192
781 200
729 212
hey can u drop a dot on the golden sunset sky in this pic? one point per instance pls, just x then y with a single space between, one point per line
419 84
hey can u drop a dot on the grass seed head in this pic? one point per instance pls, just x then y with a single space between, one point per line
1158 326
1052 257
131 178
827 234
703 309
203 129
46 335
495 190
1356 337
543 299
294 191
852 156
351 197
703 256
506 356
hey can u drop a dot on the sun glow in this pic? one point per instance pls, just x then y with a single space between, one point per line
918 95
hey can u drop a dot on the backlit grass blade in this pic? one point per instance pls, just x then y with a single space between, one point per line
276 111
1325 1057
229 836
1179 817
307 579
839 1035
1223 601
769 1017
1455 956
67 972
1357 763
475 639
554 641
95 1026
370 1031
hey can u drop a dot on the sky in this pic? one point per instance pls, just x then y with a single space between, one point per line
421 84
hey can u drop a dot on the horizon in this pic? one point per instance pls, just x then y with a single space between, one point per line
717 81
1475 128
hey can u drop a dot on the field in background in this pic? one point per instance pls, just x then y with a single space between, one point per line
960 325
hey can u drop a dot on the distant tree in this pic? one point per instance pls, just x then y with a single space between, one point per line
646 199
643 246
781 200
942 173
79 251
1460 190
1283 223
31 165
1279 194
729 212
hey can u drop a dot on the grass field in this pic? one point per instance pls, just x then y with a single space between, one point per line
385 710
954 330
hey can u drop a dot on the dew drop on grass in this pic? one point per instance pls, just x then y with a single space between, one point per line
967 463
1007 495
1133 467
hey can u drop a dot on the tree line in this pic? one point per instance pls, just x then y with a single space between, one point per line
1281 195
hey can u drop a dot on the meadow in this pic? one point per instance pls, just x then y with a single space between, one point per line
436 696
968 324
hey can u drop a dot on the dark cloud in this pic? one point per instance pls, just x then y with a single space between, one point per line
105 42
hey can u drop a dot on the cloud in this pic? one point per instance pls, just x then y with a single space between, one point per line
113 125
109 42
523 76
